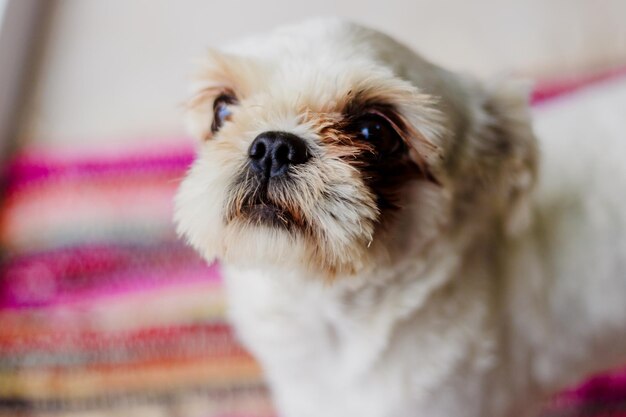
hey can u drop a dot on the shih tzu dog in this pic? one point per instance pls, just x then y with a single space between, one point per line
389 244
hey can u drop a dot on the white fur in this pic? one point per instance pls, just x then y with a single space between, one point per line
459 317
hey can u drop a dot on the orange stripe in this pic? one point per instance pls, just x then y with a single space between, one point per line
88 382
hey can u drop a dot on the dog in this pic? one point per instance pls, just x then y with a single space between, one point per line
394 238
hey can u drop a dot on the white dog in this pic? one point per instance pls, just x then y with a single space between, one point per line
393 240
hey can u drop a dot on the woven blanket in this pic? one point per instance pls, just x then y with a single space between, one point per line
104 312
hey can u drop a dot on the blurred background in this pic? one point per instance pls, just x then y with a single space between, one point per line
102 310
114 69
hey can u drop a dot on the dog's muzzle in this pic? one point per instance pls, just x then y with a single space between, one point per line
272 153
262 194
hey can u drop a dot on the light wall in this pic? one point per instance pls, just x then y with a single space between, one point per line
115 70
3 5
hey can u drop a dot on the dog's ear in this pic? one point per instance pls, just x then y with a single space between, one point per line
497 158
509 109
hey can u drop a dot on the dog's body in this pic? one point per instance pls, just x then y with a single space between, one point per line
472 289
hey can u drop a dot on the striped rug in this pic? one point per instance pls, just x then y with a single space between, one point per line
104 312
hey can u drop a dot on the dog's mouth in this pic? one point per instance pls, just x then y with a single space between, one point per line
267 214
257 204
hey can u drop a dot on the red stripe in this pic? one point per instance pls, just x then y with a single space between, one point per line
54 341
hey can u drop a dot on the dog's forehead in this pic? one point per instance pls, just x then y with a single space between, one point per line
319 65
317 55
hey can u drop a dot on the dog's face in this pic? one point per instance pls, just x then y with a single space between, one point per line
321 150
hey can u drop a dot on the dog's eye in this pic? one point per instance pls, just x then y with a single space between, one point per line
222 109
377 130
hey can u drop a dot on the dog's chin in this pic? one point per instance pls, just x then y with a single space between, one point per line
268 215
262 243
267 237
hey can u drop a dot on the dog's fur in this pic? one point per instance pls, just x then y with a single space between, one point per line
454 278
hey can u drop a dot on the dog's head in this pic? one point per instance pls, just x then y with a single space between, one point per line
331 147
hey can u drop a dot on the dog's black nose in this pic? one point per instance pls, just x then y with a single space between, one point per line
271 153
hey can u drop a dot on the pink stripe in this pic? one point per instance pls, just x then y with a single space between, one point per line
36 165
606 388
133 282
70 274
120 285
68 262
551 89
